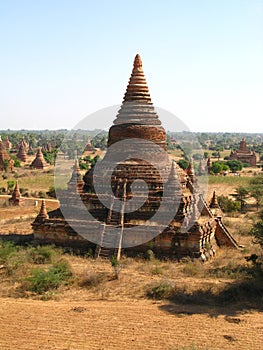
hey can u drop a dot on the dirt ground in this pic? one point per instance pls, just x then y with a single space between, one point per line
63 325
18 219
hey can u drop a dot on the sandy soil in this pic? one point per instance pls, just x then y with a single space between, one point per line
33 324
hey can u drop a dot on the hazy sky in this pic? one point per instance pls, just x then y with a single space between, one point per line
62 60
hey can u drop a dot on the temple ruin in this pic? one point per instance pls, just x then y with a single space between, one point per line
16 197
115 228
39 161
22 153
4 156
244 154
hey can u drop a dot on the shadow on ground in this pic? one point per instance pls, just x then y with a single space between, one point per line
239 297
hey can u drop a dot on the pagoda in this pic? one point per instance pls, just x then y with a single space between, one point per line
4 156
23 143
16 197
22 153
173 209
88 147
8 144
39 161
244 154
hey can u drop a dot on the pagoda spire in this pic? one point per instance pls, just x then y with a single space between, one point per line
137 117
190 171
76 183
173 183
22 153
137 106
43 211
214 202
39 161
16 197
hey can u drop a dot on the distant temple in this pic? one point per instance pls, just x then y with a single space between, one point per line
8 144
117 228
244 154
22 153
16 197
88 147
39 161
4 156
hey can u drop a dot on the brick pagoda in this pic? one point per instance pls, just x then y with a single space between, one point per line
193 224
39 161
244 154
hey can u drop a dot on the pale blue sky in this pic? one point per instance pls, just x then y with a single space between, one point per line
62 60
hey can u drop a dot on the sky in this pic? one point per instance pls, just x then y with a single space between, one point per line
61 61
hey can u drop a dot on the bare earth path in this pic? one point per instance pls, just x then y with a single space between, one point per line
141 324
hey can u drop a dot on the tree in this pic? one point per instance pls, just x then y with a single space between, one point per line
256 189
197 156
206 154
217 167
234 165
257 232
183 163
241 195
227 204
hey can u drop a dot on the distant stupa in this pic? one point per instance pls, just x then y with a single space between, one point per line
39 161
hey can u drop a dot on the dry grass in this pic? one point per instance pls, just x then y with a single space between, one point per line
100 312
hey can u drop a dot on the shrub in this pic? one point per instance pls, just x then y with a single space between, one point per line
116 266
42 280
10 185
150 255
51 192
161 290
41 254
228 205
183 163
157 269
91 280
6 249
193 268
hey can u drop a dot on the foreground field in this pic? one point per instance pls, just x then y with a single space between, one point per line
97 311
103 325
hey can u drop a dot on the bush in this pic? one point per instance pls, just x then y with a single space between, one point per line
6 249
42 280
51 192
157 269
161 290
228 205
41 254
234 165
150 255
193 268
91 280
183 163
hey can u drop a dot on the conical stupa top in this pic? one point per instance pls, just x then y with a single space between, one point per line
173 183
76 182
88 147
190 170
137 106
22 153
16 192
214 202
3 155
24 143
8 144
39 162
43 211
